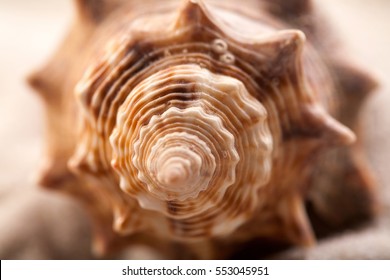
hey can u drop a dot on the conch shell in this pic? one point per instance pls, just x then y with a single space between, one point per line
203 124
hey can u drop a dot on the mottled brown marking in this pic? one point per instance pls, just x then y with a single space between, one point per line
37 82
298 131
172 207
289 9
96 10
186 97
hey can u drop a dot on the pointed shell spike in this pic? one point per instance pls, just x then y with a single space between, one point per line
324 126
193 12
296 222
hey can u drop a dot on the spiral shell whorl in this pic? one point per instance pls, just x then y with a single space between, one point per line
180 150
177 167
197 133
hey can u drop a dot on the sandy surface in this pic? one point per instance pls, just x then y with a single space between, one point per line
36 224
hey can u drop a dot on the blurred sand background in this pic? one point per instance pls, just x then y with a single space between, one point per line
37 224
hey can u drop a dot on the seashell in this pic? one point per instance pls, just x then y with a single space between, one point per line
204 125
